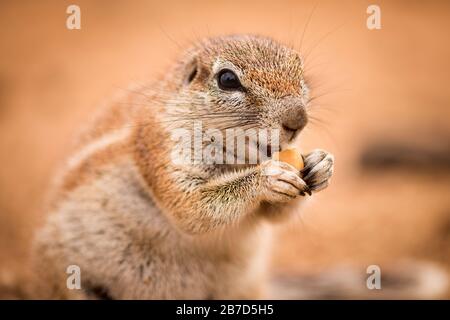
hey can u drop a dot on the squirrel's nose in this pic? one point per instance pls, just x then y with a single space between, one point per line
294 119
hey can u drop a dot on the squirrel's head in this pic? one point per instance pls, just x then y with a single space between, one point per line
242 82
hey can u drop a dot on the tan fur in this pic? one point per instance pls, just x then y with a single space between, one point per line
140 226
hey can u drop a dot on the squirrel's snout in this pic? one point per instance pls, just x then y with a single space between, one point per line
293 120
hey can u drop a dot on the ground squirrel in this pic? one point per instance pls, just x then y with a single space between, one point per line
140 226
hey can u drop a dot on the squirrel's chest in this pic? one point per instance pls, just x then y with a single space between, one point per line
181 274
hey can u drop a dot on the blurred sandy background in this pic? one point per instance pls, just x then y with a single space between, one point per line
375 87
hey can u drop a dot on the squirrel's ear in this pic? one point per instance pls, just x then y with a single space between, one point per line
192 70
195 70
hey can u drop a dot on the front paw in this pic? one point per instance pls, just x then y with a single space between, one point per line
281 182
319 166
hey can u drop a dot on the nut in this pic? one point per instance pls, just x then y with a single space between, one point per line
291 156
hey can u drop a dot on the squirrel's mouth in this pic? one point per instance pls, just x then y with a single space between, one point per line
291 133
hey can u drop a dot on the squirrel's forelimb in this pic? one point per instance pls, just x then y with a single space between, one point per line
228 198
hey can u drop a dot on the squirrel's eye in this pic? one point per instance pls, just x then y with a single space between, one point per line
228 80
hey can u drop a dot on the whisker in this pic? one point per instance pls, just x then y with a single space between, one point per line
321 39
307 24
